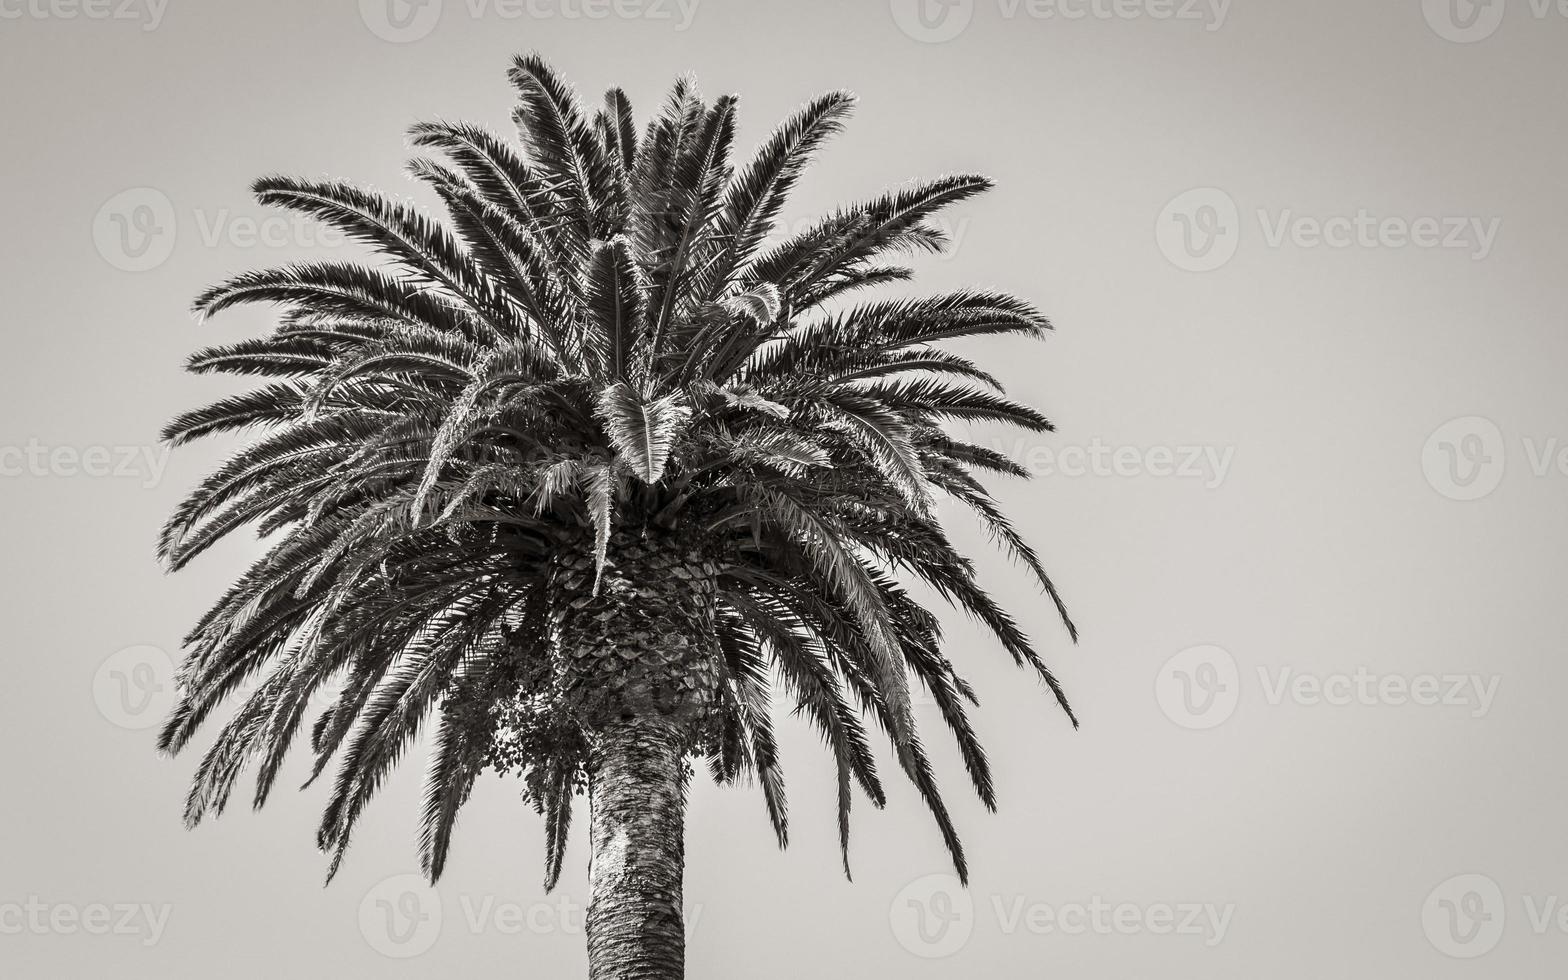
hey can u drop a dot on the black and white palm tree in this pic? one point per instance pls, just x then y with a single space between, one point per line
589 476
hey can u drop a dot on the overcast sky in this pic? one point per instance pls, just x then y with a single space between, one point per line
1306 499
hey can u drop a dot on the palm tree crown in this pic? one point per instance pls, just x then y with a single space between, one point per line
602 446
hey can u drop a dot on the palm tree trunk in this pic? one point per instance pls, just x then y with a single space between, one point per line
637 794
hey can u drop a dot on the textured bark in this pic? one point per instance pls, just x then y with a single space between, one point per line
638 668
635 930
643 646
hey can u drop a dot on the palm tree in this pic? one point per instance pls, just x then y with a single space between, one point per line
582 476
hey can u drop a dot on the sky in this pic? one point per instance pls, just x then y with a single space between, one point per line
1305 498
